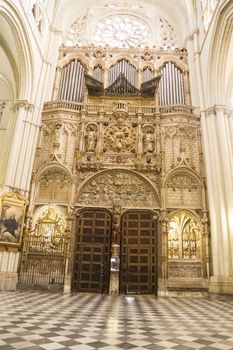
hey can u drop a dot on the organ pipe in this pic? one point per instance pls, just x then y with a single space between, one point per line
147 75
72 82
171 85
122 67
97 73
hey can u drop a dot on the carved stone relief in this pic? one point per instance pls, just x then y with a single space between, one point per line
118 188
182 189
54 185
184 237
148 140
119 138
185 270
182 181
67 144
91 138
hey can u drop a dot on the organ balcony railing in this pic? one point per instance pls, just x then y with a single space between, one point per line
132 110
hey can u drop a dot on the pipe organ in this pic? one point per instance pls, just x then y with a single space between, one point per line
123 164
72 82
147 74
98 73
171 85
122 67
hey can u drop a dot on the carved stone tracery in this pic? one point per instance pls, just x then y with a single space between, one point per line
184 237
54 184
182 181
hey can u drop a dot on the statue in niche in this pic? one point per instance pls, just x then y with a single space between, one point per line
148 141
91 138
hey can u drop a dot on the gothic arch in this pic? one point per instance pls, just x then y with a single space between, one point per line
183 170
71 56
221 68
182 188
123 187
53 184
58 212
49 166
19 52
175 60
120 57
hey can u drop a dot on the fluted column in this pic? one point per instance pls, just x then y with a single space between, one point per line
163 254
8 268
217 136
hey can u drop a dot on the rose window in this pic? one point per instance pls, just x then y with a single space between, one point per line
122 31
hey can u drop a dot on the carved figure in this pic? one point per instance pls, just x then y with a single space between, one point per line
91 139
122 188
119 139
148 142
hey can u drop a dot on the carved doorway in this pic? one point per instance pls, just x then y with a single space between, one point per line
92 251
138 271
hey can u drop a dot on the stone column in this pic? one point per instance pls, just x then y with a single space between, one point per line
9 257
115 252
163 254
57 84
23 147
217 137
70 246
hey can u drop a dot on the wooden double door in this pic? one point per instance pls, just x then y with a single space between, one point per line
138 263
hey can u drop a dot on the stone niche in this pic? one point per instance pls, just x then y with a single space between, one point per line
182 189
53 185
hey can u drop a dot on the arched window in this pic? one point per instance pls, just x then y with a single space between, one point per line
72 82
184 236
122 31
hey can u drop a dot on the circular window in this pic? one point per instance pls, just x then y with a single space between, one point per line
122 31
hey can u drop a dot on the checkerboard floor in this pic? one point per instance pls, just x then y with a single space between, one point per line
34 320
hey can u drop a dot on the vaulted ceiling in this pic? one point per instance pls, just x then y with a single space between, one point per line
179 13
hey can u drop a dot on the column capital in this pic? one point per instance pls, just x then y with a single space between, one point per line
216 109
55 30
29 107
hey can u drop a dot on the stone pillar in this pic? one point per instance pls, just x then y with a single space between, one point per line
163 254
57 84
187 89
115 251
9 257
217 137
114 270
70 250
20 160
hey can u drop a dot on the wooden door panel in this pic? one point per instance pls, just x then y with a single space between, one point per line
138 253
92 257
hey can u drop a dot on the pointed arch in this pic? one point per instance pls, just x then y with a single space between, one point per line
182 189
53 184
184 235
221 65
